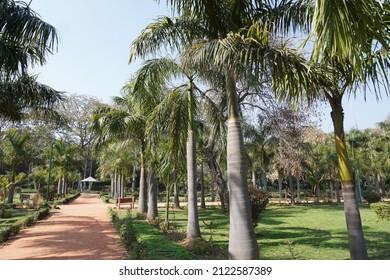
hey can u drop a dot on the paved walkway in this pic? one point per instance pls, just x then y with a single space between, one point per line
80 230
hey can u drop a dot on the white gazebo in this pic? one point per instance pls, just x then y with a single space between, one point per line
89 179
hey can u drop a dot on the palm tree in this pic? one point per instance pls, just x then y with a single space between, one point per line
24 40
349 40
66 160
16 152
175 114
122 122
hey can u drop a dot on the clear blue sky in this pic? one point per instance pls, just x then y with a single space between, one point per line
96 35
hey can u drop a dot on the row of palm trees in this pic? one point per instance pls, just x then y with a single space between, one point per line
224 46
245 41
22 161
350 42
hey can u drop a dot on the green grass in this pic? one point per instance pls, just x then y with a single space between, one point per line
315 232
158 246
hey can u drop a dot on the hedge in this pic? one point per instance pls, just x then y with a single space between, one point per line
14 229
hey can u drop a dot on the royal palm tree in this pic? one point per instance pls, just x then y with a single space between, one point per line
122 122
174 115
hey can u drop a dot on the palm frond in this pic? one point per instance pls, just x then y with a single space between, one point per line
25 94
20 25
285 16
165 33
347 29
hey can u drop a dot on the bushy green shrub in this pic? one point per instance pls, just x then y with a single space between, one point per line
258 200
371 197
382 210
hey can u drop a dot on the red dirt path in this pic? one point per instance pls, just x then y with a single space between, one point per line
80 230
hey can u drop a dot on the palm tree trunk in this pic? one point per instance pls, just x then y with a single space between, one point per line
264 180
242 241
357 245
331 190
142 206
152 196
202 198
193 229
368 181
254 179
318 192
134 177
176 193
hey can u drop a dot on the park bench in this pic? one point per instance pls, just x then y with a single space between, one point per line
24 197
126 200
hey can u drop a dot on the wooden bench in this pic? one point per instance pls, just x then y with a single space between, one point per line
23 197
126 200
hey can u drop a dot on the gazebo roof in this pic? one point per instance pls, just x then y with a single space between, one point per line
89 179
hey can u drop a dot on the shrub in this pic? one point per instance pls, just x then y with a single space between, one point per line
371 197
382 210
52 192
258 200
14 229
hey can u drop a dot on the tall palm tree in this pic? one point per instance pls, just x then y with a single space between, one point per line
66 160
122 122
175 114
350 38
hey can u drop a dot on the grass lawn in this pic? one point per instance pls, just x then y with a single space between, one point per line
315 232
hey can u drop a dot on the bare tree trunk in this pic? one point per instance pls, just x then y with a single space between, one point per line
298 189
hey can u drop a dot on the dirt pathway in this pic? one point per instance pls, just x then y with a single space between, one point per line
80 230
